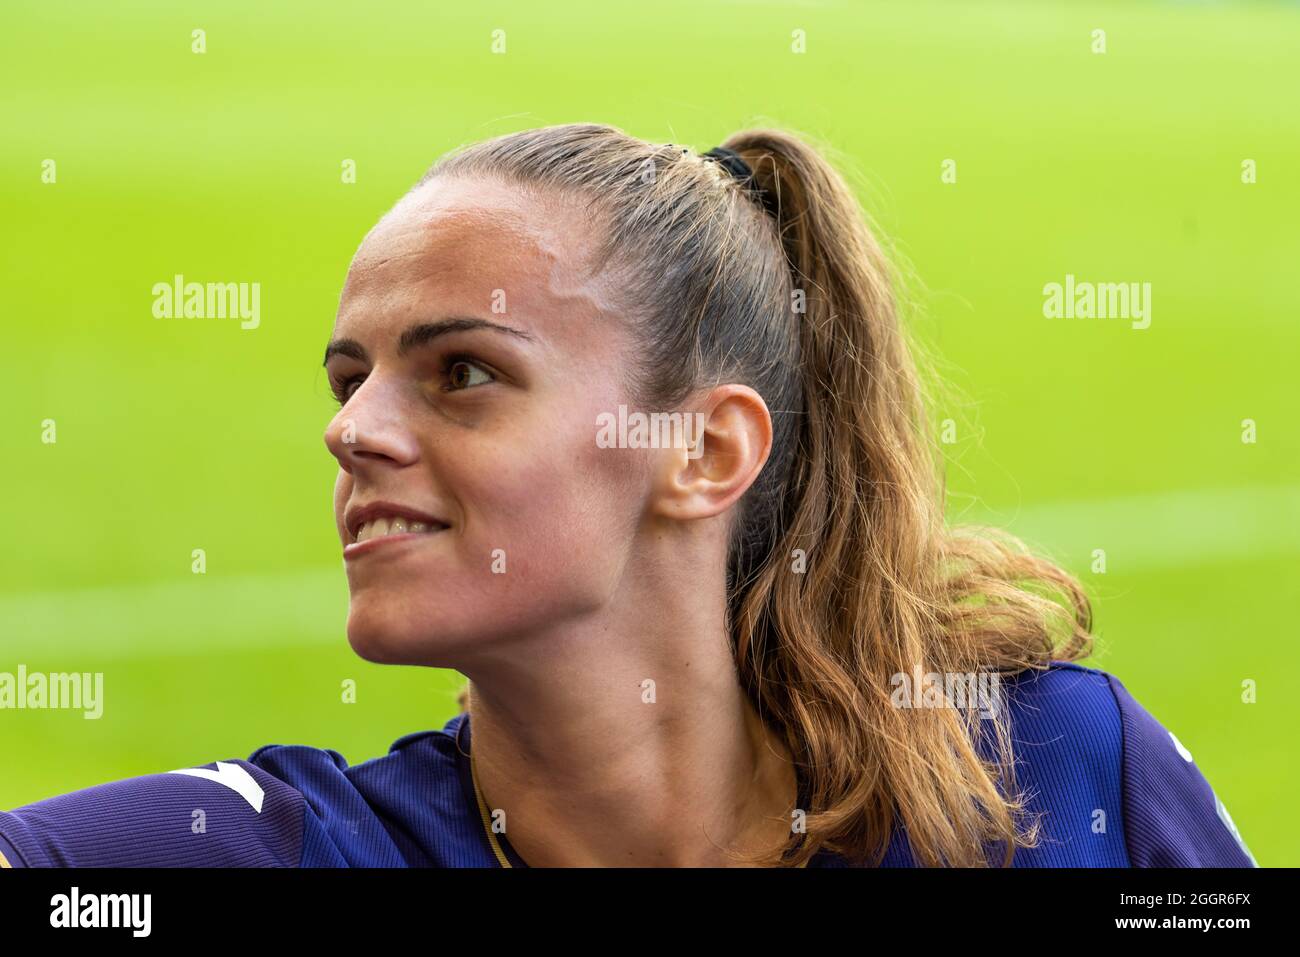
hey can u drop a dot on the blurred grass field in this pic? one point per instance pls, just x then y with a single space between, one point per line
174 435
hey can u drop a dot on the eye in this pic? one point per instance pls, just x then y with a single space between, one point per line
344 388
463 373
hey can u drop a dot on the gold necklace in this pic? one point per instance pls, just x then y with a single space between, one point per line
486 815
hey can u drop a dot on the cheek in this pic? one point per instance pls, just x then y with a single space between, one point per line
562 510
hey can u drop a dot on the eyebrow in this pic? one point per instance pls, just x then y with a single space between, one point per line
422 334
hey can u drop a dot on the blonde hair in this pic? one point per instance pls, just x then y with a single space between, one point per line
799 304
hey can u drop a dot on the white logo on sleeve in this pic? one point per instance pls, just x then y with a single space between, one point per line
1226 818
233 777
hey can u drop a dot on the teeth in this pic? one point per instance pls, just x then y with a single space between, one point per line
392 526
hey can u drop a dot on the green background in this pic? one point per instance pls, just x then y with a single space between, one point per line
1079 434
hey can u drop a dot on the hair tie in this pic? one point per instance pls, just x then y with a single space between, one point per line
732 162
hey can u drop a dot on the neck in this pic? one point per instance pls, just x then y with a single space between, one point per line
625 739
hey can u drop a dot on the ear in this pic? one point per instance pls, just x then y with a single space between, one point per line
727 443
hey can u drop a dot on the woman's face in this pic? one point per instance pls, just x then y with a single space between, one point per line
473 354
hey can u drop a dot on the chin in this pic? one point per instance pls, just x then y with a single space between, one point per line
387 637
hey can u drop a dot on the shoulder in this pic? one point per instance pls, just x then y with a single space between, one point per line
1064 696
1173 816
1064 714
285 806
406 808
222 814
1103 767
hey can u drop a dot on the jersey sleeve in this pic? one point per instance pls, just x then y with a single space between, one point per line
1172 817
223 814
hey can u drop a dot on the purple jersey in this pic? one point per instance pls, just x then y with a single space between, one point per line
1114 787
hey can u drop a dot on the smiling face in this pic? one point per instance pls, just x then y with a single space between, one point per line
473 355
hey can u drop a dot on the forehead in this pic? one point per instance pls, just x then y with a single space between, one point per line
479 247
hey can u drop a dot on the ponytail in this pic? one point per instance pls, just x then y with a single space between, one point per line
863 582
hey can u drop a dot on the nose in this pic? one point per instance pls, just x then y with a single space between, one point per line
370 432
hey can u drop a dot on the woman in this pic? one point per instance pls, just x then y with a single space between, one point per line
738 633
